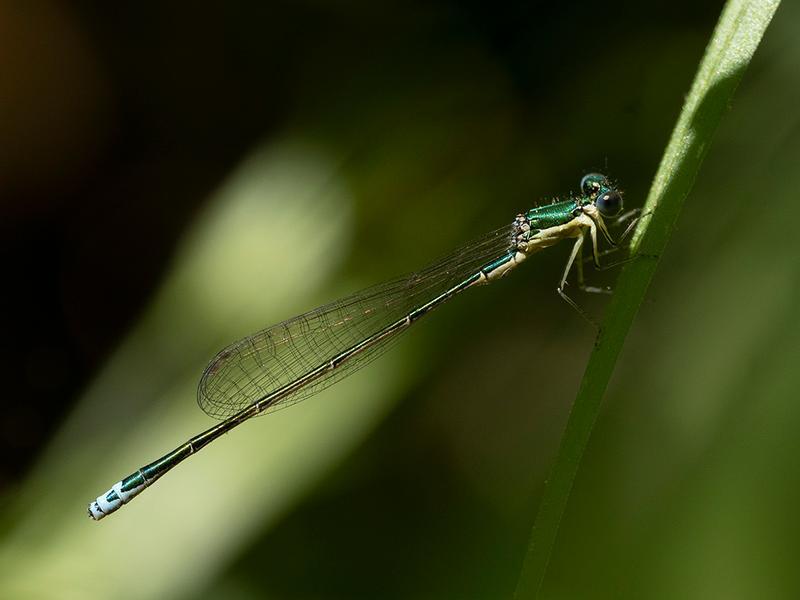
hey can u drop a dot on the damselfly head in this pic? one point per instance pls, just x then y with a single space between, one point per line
598 189
592 183
609 203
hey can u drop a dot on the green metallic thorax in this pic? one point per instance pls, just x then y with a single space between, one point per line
552 215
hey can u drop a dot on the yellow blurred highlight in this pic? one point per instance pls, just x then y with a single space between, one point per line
271 238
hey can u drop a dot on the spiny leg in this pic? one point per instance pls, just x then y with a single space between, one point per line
601 254
575 258
596 258
631 215
576 250
596 254
616 245
590 289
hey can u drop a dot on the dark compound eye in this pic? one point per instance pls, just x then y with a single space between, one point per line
592 183
609 203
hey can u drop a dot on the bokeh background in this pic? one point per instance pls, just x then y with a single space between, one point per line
174 176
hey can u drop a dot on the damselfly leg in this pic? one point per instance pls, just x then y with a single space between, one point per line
576 259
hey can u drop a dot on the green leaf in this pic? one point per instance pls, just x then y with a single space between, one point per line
736 37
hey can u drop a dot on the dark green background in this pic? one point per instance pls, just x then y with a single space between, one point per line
443 120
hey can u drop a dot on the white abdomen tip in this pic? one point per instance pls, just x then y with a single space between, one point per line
106 503
95 512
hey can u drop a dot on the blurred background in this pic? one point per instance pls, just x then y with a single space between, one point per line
174 177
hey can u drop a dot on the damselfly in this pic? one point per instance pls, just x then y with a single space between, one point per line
293 360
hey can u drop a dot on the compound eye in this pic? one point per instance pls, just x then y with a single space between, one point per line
609 203
592 183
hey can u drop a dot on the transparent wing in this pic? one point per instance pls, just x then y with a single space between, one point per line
264 362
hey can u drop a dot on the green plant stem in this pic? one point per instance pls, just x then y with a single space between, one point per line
736 36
